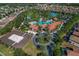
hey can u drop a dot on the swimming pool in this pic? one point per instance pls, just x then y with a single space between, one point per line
47 22
54 14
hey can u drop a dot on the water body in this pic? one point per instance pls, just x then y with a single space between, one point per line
54 14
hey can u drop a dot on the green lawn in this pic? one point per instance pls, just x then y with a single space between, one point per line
30 48
5 50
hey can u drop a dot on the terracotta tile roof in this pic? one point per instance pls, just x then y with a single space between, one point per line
76 33
34 27
72 53
54 25
44 26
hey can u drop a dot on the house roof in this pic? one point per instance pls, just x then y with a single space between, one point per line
44 25
74 38
54 25
76 33
72 53
34 27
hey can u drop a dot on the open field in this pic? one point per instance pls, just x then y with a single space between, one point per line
5 50
30 48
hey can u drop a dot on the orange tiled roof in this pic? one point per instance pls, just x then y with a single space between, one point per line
72 53
44 25
54 25
76 33
34 27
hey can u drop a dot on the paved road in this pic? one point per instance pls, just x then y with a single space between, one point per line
6 20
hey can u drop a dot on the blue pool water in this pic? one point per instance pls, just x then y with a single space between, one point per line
54 14
47 22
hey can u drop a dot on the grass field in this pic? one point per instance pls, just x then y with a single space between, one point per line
5 50
30 48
